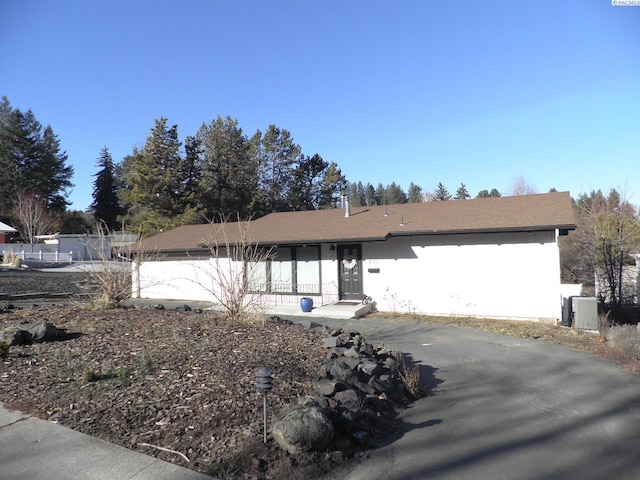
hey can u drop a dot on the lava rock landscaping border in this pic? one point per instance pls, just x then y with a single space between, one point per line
356 393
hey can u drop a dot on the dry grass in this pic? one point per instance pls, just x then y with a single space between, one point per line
625 340
410 377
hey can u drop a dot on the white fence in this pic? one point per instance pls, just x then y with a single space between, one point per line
57 257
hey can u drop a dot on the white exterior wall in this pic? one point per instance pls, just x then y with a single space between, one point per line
483 275
489 275
191 279
174 279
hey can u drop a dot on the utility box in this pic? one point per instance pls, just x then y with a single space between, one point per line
585 313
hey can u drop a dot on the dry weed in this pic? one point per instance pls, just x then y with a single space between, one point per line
625 339
410 377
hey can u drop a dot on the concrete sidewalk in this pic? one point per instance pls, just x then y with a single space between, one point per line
34 449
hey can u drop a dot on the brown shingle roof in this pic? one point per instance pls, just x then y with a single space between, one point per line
504 214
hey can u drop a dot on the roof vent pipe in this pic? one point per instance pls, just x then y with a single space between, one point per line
347 207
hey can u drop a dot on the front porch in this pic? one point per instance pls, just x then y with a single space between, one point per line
338 310
342 310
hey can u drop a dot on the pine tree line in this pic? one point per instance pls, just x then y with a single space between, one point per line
220 173
217 172
31 163
368 195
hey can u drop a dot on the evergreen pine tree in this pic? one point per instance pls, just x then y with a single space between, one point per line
394 194
415 193
357 195
441 193
371 195
332 186
8 166
277 155
152 185
228 170
462 193
31 161
105 206
306 183
55 174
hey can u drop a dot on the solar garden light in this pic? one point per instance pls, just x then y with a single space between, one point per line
264 383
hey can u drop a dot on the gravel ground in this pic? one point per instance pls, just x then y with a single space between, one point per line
15 283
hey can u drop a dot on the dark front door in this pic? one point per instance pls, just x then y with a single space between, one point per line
350 265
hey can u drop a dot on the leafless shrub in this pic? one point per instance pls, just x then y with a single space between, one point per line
111 279
626 340
604 324
234 267
33 217
410 377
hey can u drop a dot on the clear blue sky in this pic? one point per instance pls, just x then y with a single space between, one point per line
449 91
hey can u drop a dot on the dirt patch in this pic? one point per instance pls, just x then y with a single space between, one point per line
49 283
182 381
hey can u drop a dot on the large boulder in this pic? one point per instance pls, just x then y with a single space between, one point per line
12 336
28 333
302 427
41 332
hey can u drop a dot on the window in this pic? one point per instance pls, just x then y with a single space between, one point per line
307 269
293 270
257 276
282 271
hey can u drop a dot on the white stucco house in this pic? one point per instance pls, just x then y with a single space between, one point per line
490 257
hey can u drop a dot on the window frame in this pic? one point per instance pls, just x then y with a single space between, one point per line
293 259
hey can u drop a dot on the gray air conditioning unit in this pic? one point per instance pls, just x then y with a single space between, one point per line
585 313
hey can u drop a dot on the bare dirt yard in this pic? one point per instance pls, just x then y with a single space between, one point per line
183 381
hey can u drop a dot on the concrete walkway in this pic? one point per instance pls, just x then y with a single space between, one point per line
34 449
341 310
502 408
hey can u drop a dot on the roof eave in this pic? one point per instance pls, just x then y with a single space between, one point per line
404 233
317 241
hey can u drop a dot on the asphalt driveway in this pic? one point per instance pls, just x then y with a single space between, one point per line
505 408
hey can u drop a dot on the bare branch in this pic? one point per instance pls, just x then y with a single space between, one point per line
33 217
234 270
111 279
166 450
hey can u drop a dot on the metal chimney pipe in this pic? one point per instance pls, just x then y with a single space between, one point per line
347 207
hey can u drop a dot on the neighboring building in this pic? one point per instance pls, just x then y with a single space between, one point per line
122 239
78 246
630 284
490 257
4 229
